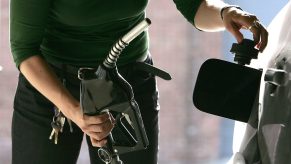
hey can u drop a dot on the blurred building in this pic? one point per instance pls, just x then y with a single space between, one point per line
187 136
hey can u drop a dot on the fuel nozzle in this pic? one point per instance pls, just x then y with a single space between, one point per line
244 51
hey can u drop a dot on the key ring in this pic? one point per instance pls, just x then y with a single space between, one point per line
104 155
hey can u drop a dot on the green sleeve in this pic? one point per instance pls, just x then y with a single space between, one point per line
188 8
27 22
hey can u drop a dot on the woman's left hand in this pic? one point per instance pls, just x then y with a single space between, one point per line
235 19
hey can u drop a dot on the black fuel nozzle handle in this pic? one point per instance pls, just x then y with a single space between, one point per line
244 51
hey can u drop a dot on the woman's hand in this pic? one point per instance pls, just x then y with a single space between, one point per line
235 19
213 15
97 127
39 74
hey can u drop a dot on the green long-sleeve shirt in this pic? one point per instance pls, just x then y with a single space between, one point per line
80 32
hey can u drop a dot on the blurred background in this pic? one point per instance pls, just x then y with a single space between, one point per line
187 136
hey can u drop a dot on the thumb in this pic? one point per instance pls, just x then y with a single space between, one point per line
235 31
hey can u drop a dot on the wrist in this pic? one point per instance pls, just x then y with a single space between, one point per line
226 8
70 107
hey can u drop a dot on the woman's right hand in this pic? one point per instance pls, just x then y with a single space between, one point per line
41 76
97 127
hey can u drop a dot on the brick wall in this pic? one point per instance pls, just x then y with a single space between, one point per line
7 86
187 135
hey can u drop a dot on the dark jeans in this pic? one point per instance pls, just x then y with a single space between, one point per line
33 113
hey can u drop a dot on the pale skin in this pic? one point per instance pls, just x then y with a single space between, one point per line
39 74
208 19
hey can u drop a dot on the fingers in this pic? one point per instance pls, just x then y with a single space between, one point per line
236 19
260 35
234 30
98 143
255 29
97 127
103 127
97 119
264 39
98 135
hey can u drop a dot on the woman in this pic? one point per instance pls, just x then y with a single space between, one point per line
50 37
